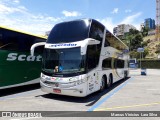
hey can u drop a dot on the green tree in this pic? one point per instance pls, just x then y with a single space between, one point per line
145 31
145 43
158 48
135 54
136 42
134 39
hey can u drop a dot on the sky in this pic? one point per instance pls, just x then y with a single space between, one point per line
39 16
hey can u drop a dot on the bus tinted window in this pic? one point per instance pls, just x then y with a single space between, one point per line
69 32
118 63
114 42
106 63
93 54
96 31
39 49
106 42
14 41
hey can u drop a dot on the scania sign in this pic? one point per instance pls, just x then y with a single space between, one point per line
22 57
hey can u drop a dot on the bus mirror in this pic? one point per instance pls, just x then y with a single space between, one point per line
86 42
93 42
36 45
83 49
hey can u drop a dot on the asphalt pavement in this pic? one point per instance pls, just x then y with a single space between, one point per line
137 93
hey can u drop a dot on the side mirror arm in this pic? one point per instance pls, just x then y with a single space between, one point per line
34 46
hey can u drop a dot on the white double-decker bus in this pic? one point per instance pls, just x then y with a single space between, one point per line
81 57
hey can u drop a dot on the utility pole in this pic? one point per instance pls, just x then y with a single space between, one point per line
157 20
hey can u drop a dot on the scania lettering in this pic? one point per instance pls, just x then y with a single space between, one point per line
15 56
81 57
17 66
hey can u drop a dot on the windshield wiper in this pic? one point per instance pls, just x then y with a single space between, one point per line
47 70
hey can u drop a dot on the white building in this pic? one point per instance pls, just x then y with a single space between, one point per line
122 28
141 26
159 56
151 32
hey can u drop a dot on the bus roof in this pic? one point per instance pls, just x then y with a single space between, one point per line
90 19
40 36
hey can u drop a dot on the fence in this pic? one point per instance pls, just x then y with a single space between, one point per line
154 64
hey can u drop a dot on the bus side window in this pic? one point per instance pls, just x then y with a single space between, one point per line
9 46
96 31
114 63
120 63
10 41
1 39
106 42
38 49
92 56
106 63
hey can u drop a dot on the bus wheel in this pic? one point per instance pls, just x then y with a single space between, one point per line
109 81
125 75
103 82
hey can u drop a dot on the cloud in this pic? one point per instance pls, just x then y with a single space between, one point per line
8 10
19 17
71 13
108 22
16 1
115 11
132 19
128 11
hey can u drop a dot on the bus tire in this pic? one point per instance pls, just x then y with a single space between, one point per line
103 84
110 81
125 75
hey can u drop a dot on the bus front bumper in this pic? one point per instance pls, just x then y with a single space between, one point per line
78 90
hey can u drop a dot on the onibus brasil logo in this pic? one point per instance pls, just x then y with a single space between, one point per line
22 57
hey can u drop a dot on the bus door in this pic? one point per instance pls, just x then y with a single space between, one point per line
91 81
92 62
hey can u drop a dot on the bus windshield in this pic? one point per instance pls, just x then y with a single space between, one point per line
69 32
63 61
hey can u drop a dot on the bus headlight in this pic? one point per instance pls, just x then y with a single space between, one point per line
73 79
78 82
72 84
42 75
43 80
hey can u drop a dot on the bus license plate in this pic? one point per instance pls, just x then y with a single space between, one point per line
57 90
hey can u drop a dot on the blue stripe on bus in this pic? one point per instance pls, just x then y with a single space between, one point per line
109 95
